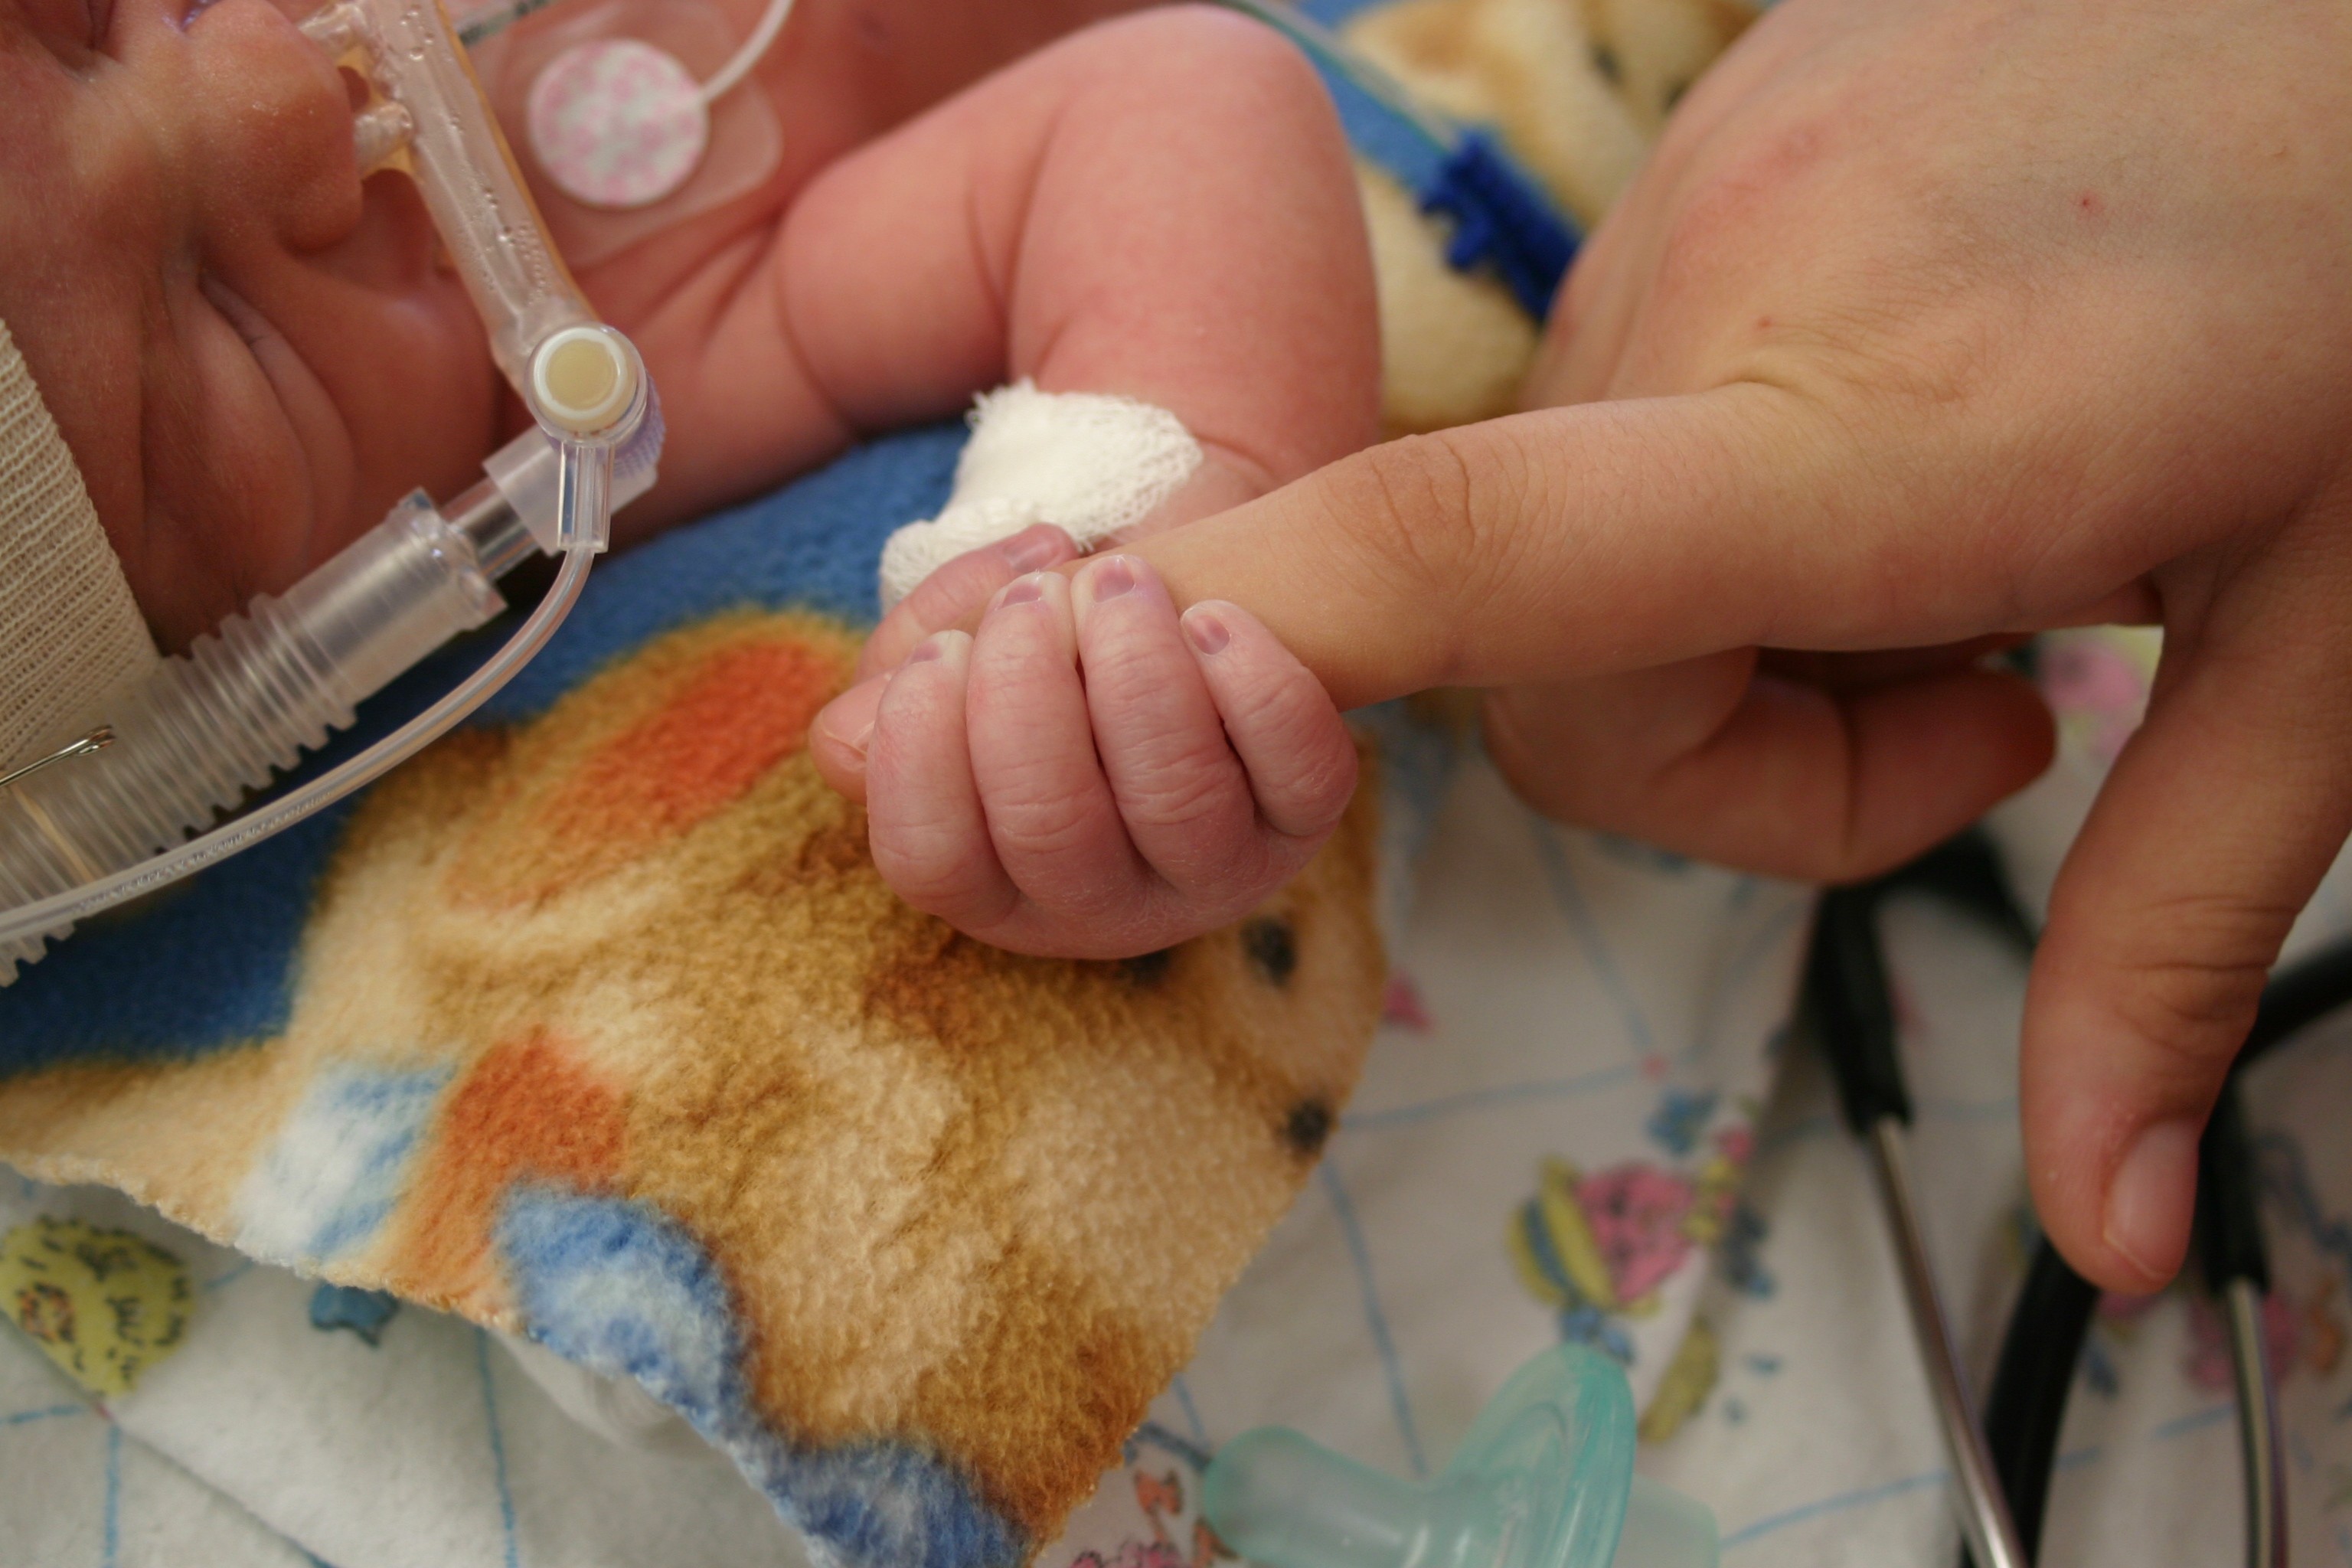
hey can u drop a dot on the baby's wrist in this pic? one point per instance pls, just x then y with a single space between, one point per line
1094 465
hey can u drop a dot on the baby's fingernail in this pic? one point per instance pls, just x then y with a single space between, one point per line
849 718
1023 591
925 652
1113 576
1208 633
1039 545
2149 1203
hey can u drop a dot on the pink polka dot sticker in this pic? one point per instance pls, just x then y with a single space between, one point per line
617 122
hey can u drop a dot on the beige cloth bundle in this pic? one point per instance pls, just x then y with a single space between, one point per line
70 634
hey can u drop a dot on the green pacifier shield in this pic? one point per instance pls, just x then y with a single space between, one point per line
1543 1480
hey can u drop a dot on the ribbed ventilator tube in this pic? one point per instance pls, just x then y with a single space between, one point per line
213 724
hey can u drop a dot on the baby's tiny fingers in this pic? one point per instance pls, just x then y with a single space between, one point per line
1050 814
1181 790
956 591
924 820
838 737
1281 723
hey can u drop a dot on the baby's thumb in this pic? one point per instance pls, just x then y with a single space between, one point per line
2216 824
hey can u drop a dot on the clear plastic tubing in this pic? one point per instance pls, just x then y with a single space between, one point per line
211 727
428 117
213 724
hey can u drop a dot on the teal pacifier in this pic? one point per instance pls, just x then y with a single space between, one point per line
1544 1479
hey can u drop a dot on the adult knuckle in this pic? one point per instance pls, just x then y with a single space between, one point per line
2189 981
1415 500
1730 192
1424 514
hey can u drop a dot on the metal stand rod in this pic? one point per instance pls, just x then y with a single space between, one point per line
1983 1510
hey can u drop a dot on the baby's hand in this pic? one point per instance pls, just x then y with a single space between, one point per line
1089 775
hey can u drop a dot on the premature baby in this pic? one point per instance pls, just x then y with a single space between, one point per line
252 352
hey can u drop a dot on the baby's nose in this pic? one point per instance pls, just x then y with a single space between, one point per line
277 121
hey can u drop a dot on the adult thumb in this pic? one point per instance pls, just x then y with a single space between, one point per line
2208 837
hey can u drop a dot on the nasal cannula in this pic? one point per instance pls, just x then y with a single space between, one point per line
104 817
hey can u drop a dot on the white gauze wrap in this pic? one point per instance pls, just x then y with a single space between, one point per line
71 636
1089 464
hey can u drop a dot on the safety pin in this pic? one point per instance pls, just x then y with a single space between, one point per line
97 739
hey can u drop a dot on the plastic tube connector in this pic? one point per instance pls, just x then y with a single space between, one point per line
588 390
214 723
584 382
1543 1480
527 472
405 53
209 728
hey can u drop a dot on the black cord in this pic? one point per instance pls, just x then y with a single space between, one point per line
1965 872
2299 997
2028 1405
2052 1316
1850 1008
2229 1208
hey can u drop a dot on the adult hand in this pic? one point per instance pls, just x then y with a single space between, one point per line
1928 324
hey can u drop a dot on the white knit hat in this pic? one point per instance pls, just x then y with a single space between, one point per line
71 636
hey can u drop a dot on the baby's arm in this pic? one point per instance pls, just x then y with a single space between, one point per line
1161 208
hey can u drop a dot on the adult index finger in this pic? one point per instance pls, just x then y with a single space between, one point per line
1582 540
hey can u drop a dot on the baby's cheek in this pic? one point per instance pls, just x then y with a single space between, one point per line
411 377
455 404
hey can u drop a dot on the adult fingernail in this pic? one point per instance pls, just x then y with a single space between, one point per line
2148 1202
1208 633
1023 591
1039 545
1115 576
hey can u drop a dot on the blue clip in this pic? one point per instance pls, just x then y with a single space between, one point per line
1501 219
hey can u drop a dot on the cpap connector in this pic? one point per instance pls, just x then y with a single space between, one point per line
111 818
